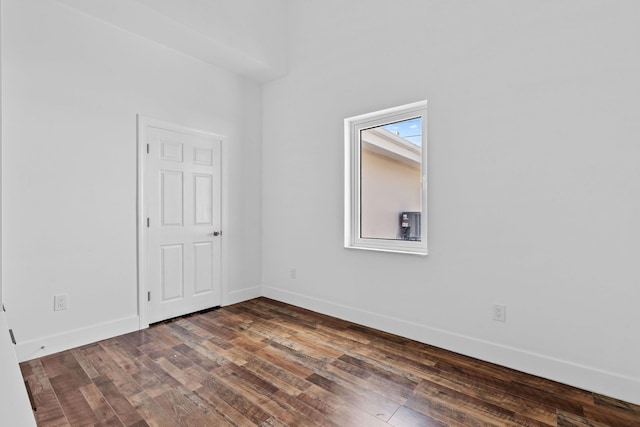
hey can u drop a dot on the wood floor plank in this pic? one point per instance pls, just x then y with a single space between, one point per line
294 412
77 372
267 363
606 416
135 339
184 335
485 376
86 365
54 364
613 411
566 419
49 411
276 357
249 344
100 360
367 401
299 357
74 405
273 422
26 370
500 396
197 358
382 372
336 408
446 412
232 414
354 375
409 367
158 334
185 411
281 378
237 400
344 332
120 355
475 408
405 417
125 384
244 382
212 352
151 379
616 406
121 406
188 381
235 355
221 333
192 325
101 408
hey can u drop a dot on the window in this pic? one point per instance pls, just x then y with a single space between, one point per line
385 180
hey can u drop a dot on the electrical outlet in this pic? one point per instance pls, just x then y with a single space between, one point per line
59 302
499 312
293 273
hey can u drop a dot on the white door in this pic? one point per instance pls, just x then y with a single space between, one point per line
182 208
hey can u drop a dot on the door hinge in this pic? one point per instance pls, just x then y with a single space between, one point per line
13 338
147 222
148 296
147 148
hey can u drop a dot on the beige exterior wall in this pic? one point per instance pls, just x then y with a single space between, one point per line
388 187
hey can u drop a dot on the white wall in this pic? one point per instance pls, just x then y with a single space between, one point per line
72 87
534 181
1 156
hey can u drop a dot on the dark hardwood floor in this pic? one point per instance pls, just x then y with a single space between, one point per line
265 363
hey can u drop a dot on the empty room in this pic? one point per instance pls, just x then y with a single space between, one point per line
320 212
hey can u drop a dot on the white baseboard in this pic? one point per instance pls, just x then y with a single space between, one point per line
242 295
584 377
46 345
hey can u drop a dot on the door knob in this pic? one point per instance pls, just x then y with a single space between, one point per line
216 233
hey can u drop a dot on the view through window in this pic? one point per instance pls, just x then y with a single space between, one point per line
390 180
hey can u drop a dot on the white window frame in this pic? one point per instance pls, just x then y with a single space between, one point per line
352 209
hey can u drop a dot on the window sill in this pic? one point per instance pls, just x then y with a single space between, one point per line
407 251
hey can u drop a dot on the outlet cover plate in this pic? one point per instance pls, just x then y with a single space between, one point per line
500 312
59 302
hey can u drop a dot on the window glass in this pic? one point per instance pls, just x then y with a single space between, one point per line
390 180
385 180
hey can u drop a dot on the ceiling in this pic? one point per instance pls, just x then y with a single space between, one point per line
244 36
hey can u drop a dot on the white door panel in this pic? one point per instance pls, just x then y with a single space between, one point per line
171 196
171 271
203 202
182 203
203 267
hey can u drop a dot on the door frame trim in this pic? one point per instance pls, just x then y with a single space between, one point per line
142 123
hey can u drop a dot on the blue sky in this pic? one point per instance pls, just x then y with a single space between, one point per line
411 130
